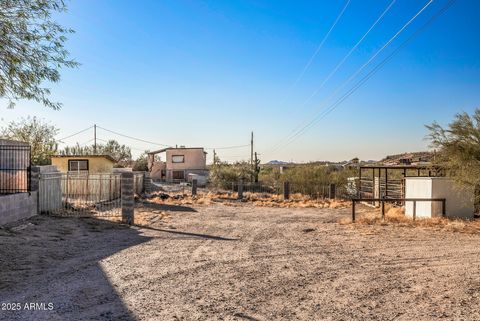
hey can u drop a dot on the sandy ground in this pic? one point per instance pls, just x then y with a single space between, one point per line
222 262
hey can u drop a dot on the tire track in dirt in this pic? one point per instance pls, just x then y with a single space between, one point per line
280 264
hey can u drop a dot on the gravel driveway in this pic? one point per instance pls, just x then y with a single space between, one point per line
237 263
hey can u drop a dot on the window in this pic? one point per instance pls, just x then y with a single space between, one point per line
78 165
178 175
178 159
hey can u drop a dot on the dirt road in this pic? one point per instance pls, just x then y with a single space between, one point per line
238 263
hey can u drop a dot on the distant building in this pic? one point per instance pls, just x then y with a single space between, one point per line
181 164
92 164
352 164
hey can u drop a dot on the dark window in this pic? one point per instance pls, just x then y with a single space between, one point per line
178 175
178 159
78 165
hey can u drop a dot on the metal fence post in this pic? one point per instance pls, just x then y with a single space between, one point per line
383 209
128 201
353 211
240 190
414 210
333 191
194 187
444 208
286 190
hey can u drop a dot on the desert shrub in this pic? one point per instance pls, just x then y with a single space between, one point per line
223 174
309 179
141 163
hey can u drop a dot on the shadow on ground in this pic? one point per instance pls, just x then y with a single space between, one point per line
58 261
167 207
196 235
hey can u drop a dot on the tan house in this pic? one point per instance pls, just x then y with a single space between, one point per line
92 164
181 163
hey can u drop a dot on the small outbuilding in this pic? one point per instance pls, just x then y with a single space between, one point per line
459 201
92 164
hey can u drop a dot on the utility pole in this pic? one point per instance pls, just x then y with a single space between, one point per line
214 157
95 139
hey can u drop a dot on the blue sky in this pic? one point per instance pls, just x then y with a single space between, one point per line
207 73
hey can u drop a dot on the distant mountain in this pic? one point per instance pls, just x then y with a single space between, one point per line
277 162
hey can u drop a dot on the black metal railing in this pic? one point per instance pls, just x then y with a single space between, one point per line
15 168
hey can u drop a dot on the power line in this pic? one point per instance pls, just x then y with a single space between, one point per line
372 72
339 65
310 61
365 64
143 149
134 148
362 67
143 140
357 72
150 142
131 137
82 131
146 141
88 141
229 147
159 144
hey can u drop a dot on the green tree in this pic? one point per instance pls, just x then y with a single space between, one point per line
223 174
458 148
121 153
307 178
31 49
39 134
141 163
76 150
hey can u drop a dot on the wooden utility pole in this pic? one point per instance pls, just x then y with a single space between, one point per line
95 139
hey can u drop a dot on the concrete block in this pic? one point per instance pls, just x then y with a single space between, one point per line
19 206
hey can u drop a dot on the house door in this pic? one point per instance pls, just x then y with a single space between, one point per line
178 175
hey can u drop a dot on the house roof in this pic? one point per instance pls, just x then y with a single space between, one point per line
110 158
176 148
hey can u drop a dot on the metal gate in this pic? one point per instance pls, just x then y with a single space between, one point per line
15 169
80 194
379 187
382 181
